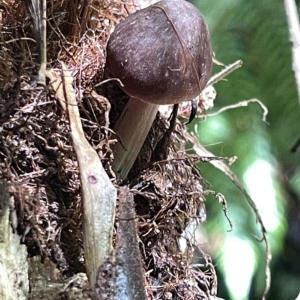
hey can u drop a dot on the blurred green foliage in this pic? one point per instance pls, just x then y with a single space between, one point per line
256 32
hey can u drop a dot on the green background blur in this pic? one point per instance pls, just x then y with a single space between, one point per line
256 32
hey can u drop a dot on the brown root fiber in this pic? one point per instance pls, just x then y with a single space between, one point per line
38 161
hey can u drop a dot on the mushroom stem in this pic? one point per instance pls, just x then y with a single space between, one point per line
132 129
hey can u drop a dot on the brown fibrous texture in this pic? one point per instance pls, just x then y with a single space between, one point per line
38 160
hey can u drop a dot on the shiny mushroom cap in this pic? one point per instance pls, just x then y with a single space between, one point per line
162 54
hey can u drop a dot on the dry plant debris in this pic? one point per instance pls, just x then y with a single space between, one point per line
170 197
38 159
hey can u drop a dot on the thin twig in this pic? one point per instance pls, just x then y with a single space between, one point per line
226 71
110 79
17 40
240 104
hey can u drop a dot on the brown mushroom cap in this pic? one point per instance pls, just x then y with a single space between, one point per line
162 54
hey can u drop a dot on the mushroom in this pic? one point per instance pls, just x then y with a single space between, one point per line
162 55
